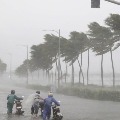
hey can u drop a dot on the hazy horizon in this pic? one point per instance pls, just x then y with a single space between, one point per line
22 22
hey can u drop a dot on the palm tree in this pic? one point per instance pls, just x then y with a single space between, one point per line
102 40
52 43
113 22
67 52
80 41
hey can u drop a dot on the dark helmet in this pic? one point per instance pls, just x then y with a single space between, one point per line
38 92
12 91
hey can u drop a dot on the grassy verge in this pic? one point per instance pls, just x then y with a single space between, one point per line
38 87
88 92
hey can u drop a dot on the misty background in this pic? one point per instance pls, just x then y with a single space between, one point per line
23 21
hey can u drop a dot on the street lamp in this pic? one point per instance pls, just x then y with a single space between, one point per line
58 32
27 60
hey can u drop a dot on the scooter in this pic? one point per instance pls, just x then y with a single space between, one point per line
19 110
41 106
57 115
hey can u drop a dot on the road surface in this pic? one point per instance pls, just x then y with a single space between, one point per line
73 108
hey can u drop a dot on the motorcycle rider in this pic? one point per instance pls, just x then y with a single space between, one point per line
47 106
10 101
36 104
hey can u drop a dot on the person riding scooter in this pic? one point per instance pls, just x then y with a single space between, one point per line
10 101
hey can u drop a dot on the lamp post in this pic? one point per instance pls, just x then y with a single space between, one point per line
58 32
27 61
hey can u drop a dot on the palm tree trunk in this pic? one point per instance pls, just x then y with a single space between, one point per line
81 59
79 76
72 74
66 73
43 74
56 65
88 69
102 70
32 75
112 68
48 77
55 77
81 71
52 76
38 74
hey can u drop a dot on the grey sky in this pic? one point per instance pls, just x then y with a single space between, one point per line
22 22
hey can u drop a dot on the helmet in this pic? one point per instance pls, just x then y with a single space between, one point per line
12 91
50 94
38 92
37 97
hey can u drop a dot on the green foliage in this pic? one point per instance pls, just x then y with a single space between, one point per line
113 21
74 46
101 38
2 67
92 93
21 71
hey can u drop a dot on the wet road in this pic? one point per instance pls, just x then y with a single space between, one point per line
73 108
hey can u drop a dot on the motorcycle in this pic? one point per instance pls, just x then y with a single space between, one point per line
57 115
19 110
41 106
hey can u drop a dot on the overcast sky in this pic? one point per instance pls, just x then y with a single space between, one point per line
22 22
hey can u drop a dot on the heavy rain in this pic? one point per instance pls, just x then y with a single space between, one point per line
64 52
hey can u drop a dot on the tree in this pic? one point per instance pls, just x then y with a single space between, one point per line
67 52
80 42
113 22
102 40
21 71
3 67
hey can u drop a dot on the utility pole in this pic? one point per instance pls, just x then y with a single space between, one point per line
59 61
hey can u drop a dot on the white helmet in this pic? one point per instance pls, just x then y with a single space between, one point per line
50 94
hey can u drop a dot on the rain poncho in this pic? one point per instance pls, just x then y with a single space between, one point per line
36 104
47 107
10 102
